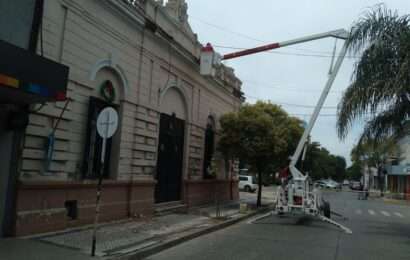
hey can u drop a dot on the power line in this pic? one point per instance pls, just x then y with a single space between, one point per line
280 87
309 115
227 30
366 118
290 104
250 37
368 115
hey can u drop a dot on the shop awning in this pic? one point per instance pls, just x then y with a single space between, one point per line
27 78
402 170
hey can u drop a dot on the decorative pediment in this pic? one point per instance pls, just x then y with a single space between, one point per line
178 10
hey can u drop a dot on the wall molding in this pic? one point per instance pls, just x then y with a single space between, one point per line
110 63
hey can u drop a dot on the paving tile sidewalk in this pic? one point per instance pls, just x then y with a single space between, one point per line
25 249
115 238
124 238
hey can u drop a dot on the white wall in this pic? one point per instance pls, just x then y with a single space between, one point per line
89 34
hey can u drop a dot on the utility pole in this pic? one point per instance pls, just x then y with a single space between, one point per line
107 124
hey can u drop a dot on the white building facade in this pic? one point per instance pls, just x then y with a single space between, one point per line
399 170
142 59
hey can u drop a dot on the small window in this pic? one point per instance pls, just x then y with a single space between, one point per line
243 178
71 209
395 162
209 147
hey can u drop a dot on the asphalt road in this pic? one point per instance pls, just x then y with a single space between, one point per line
380 231
250 198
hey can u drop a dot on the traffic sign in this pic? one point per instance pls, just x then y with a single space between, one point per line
107 122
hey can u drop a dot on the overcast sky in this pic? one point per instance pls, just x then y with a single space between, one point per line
291 75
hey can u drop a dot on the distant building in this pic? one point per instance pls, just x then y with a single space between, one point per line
372 175
399 170
141 58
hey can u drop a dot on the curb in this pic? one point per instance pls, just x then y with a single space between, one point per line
171 243
397 201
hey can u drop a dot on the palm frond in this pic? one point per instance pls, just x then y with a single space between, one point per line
388 124
378 23
381 78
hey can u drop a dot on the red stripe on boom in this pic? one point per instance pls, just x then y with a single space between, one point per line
251 51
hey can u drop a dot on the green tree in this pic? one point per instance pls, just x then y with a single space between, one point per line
381 80
340 168
321 164
373 153
260 135
354 171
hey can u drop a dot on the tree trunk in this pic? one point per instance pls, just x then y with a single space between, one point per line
259 201
380 173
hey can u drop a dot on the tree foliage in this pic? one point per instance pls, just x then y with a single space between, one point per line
321 164
373 153
354 172
381 79
263 135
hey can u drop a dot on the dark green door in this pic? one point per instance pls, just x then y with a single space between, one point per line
170 158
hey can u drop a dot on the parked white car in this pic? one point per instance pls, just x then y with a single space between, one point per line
328 184
247 183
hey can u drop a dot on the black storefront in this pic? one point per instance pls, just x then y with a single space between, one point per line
26 78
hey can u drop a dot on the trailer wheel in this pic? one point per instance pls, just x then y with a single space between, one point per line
326 209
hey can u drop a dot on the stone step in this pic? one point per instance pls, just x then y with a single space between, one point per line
170 207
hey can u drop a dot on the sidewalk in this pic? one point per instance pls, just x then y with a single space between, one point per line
24 249
133 235
388 197
128 239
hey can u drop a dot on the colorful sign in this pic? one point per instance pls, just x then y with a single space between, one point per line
9 81
28 78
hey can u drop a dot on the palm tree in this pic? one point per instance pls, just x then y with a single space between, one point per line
381 79
374 153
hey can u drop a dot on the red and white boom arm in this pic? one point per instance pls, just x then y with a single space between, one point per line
339 34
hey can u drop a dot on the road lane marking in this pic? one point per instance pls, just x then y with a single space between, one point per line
358 211
371 212
398 214
387 214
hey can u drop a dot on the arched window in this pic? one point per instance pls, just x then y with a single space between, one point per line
108 92
209 147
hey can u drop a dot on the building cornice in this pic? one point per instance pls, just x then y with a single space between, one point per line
139 19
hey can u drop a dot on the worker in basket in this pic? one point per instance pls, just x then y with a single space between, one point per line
284 176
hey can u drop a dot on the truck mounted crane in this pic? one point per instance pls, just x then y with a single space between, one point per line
298 196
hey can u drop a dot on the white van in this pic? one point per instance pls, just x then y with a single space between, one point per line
247 183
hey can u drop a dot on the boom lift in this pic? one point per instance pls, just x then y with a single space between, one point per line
298 196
